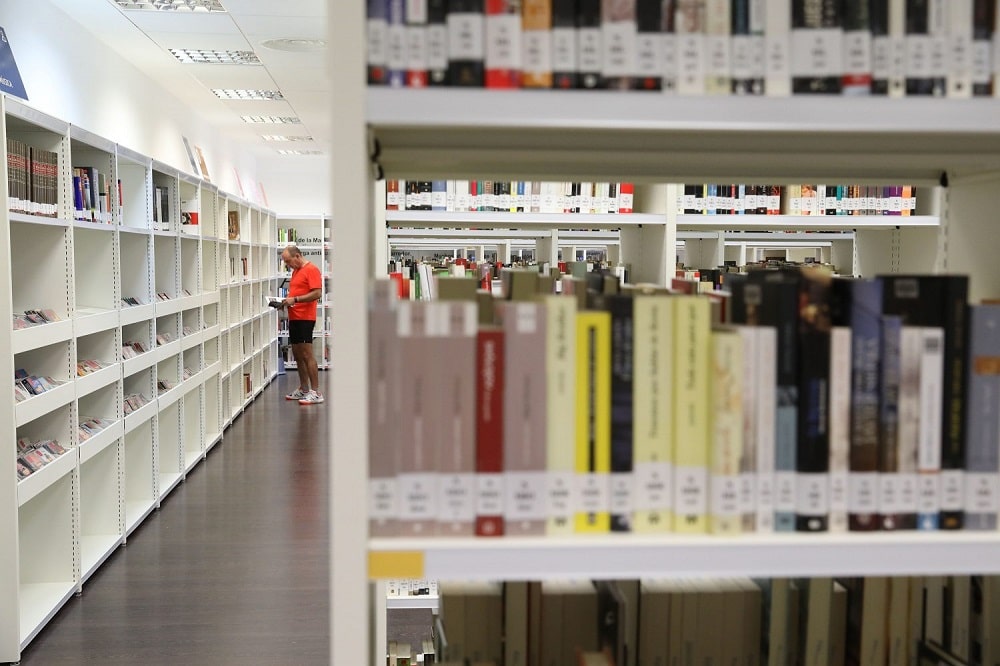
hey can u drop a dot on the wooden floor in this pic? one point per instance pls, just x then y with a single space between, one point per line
232 569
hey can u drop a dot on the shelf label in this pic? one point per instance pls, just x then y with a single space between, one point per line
525 496
395 564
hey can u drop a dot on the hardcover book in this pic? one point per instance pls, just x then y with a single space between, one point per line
536 35
593 420
983 418
560 370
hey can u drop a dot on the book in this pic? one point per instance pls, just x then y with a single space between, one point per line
565 46
982 419
466 43
623 367
437 42
650 44
816 47
560 370
726 446
857 77
689 28
593 420
536 36
503 44
377 36
925 61
489 431
416 43
619 36
589 39
718 67
692 425
983 20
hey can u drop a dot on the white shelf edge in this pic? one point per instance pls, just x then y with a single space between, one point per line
101 544
34 337
35 484
136 512
803 222
42 404
631 556
39 604
87 384
440 218
102 440
140 416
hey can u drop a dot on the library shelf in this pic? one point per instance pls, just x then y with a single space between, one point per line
30 487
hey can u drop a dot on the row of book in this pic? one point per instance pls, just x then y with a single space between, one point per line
689 47
799 199
35 317
32 179
773 622
133 402
27 385
133 348
33 455
90 366
92 425
792 402
92 195
514 196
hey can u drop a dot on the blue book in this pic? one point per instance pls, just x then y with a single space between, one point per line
396 44
982 454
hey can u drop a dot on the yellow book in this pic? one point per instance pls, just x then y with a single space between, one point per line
593 420
651 399
725 509
692 366
560 371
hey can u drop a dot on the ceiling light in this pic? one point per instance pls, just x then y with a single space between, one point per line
272 120
212 57
300 152
282 137
294 45
232 93
173 5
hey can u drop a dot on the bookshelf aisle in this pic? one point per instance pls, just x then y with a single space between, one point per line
122 305
580 135
312 235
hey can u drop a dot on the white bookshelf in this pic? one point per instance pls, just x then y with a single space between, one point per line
578 135
59 524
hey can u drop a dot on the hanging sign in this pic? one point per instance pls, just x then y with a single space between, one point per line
10 78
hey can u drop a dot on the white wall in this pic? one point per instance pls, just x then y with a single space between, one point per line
69 74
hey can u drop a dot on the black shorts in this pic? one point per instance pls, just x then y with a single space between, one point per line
300 330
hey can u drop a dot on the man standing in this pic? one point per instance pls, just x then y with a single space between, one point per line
304 289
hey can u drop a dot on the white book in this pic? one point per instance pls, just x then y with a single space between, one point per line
767 351
959 20
718 57
416 39
689 27
840 425
929 445
908 429
725 514
897 49
777 45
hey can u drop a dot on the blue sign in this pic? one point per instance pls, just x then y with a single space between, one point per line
10 78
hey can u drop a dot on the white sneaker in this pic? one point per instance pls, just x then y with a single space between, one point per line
297 394
311 398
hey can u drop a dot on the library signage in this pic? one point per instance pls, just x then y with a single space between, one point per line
10 78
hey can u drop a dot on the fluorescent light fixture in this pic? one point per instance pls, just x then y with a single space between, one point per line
294 45
282 137
233 93
300 152
272 120
173 5
213 57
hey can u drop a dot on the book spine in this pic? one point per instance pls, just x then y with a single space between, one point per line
418 481
437 42
619 34
590 51
778 49
692 366
865 306
416 43
565 46
621 309
560 370
652 403
689 28
593 420
908 431
929 453
524 417
889 483
718 65
648 74
983 419
816 47
466 43
396 43
503 44
726 450
750 376
489 432
766 391
456 451
840 425
668 47
857 78
959 48
384 386
377 30
536 33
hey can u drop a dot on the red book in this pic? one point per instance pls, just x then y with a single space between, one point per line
397 278
489 432
392 194
503 43
626 193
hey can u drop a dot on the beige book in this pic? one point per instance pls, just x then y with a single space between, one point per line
629 593
960 592
752 622
899 621
515 623
874 608
654 621
838 625
569 621
916 620
560 367
934 587
796 607
726 444
819 597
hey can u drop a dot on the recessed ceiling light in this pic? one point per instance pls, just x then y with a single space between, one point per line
272 120
282 137
295 45
300 152
232 93
173 5
212 57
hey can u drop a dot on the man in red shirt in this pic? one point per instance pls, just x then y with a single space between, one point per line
304 289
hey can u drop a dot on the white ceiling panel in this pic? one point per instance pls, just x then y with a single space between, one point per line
312 8
200 22
232 76
258 108
291 27
201 40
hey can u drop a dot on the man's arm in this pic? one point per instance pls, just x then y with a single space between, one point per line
313 295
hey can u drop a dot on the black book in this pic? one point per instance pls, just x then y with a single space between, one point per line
983 16
590 53
941 301
466 49
878 19
437 42
743 57
921 78
378 28
621 309
648 56
565 49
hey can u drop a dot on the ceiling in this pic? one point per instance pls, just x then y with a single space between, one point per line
145 37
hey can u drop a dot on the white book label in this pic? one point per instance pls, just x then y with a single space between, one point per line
817 52
418 496
889 493
981 492
952 490
437 47
525 496
564 50
812 494
489 494
748 492
839 491
863 492
785 498
622 501
503 41
561 502
465 36
929 489
691 498
382 498
593 492
378 30
725 494
537 56
653 486
457 498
